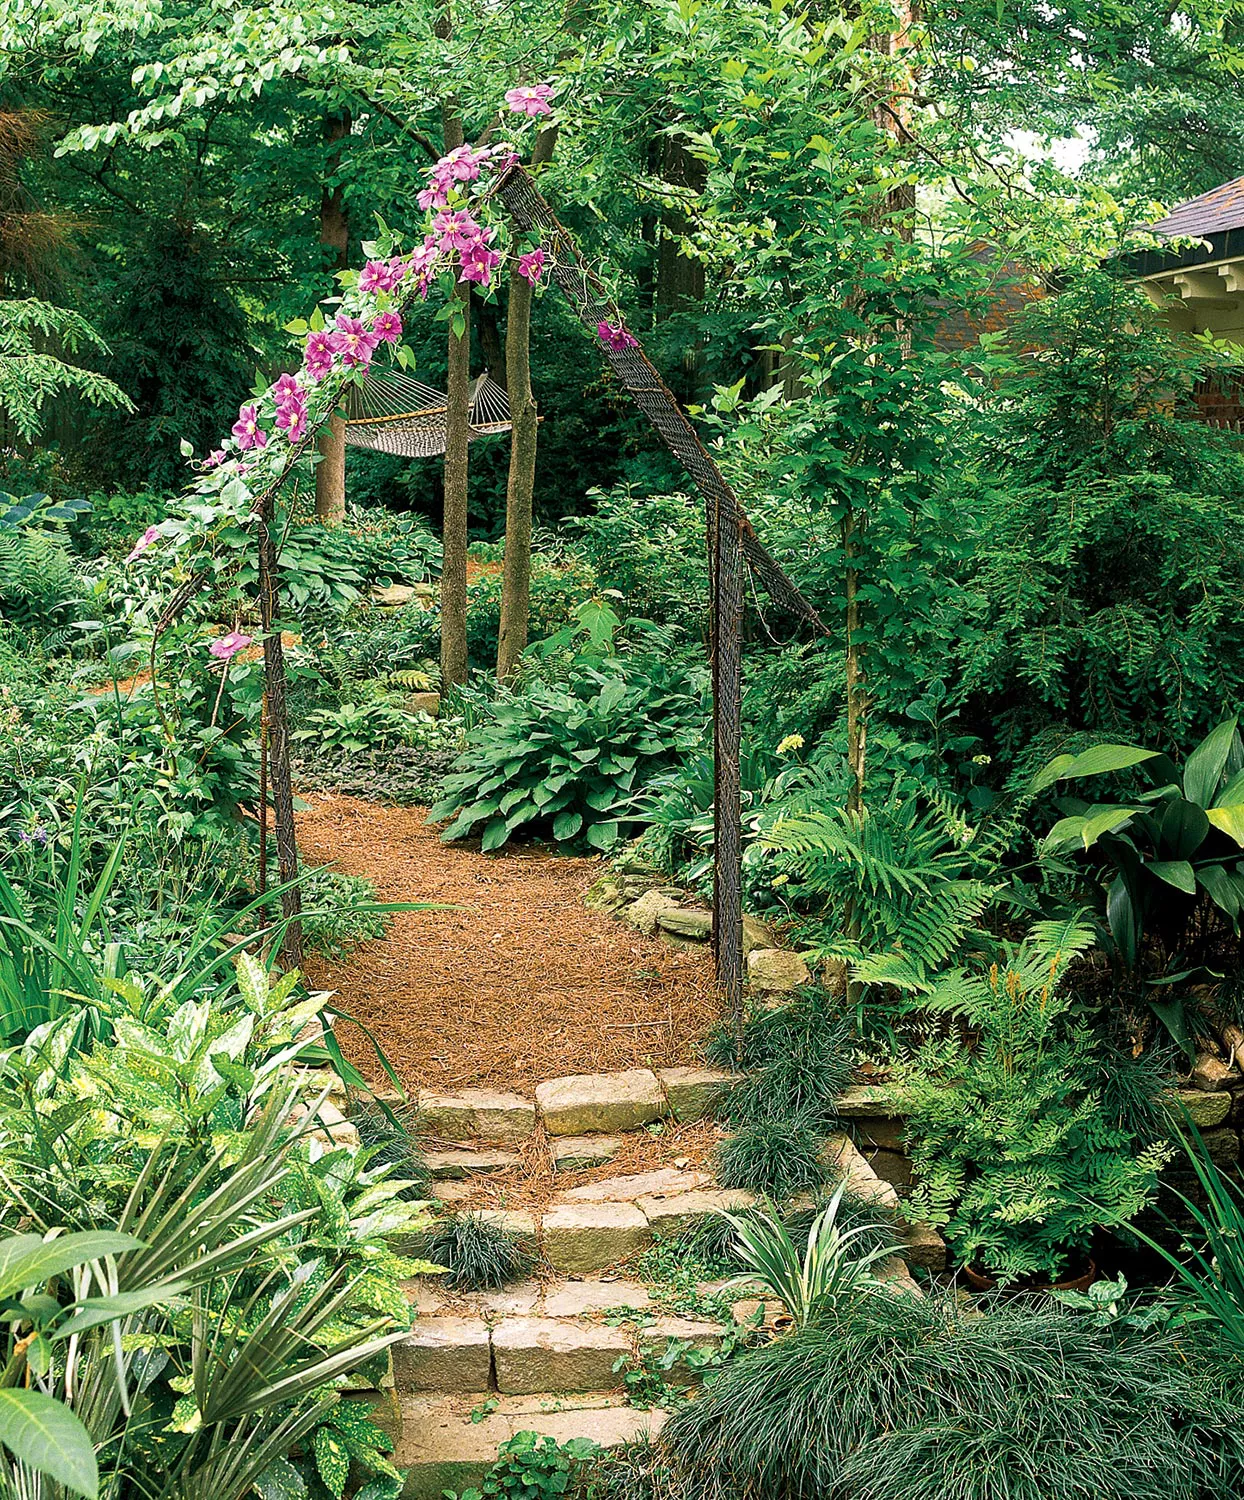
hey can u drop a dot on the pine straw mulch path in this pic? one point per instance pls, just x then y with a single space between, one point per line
520 983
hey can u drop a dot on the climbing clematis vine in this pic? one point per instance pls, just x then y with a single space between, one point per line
247 431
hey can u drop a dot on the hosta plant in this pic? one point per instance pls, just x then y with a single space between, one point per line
568 761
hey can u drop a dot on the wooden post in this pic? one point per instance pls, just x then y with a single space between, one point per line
278 739
726 617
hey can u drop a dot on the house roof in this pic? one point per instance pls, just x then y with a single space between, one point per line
1221 209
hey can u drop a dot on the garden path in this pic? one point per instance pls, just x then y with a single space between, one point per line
520 982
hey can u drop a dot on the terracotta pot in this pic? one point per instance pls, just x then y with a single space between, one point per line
980 1282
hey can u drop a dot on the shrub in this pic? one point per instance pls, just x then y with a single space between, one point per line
558 589
777 1157
1013 1152
408 775
569 761
356 726
887 1397
479 1254
651 549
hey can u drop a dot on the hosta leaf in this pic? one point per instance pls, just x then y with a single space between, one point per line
494 835
603 835
1095 761
567 824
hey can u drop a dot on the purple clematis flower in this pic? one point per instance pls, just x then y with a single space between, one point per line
247 431
530 100
143 542
226 647
614 336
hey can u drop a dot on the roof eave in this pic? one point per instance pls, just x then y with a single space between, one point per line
1228 244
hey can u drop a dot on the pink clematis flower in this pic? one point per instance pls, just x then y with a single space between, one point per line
531 266
387 326
321 347
478 264
226 647
215 458
247 431
614 336
457 231
530 100
353 342
376 276
143 542
462 164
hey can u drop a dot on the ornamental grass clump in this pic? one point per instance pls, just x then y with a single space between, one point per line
798 1059
888 1397
776 1158
480 1256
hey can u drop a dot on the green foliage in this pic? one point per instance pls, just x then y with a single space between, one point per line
651 549
798 1057
1014 1155
531 1467
1209 1263
342 911
778 1156
356 726
833 1264
1169 861
569 761
31 374
560 587
1099 594
886 1397
480 1255
405 775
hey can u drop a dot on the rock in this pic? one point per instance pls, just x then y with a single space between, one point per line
686 923
869 1100
444 1354
605 894
873 1131
757 934
423 703
923 1246
834 976
521 1225
665 1182
600 1102
667 1215
476 1115
392 595
576 1153
461 1165
644 914
515 1301
1210 1073
1222 1146
542 1354
574 1299
453 1194
580 1238
892 1168
776 970
334 1133
1204 1110
845 1162
693 1092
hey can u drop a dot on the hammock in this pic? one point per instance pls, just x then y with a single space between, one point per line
395 413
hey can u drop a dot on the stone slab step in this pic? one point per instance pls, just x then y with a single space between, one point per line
555 1354
476 1115
459 1165
576 1153
441 1448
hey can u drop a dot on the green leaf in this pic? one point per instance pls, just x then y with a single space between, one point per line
27 1260
50 1439
1230 820
567 824
495 835
280 1481
603 835
1207 762
1176 872
332 1462
1104 820
1095 761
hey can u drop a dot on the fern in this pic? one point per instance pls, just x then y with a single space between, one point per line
36 578
911 881
30 375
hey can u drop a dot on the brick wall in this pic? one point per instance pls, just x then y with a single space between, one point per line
1221 403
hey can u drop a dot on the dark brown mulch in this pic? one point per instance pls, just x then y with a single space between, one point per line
521 982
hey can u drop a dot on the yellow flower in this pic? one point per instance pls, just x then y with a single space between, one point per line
791 742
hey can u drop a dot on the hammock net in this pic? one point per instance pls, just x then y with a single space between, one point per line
395 413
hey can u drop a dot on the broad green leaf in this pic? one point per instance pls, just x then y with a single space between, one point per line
1171 1015
1226 890
494 835
1207 762
1230 820
1104 820
280 1481
1176 872
27 1260
603 835
1095 761
49 1438
567 824
1184 827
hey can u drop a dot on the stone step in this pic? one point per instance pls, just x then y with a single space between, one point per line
442 1448
458 1165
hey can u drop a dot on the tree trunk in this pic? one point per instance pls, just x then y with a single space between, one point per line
521 483
857 698
454 663
330 472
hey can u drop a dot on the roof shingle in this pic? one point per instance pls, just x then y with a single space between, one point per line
1220 209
